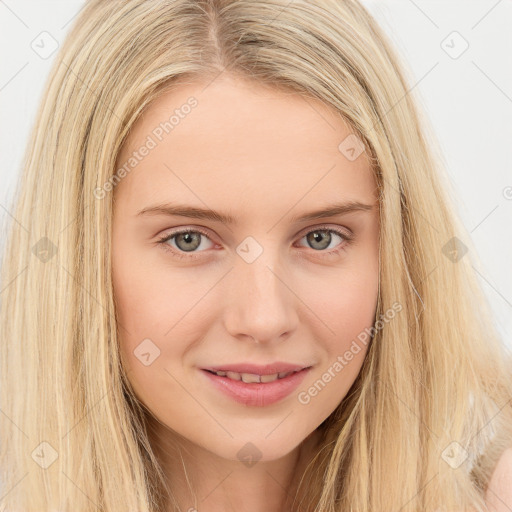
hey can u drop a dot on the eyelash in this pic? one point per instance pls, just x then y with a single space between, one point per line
347 240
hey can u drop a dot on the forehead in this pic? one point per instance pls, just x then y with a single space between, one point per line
239 142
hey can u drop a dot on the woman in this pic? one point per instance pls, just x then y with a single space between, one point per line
322 345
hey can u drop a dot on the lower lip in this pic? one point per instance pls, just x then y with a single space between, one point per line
258 394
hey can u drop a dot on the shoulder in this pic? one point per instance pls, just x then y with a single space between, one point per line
498 495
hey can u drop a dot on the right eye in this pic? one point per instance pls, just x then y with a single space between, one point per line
185 240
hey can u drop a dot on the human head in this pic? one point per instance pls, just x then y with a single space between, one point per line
263 157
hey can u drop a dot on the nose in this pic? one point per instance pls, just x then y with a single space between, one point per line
260 304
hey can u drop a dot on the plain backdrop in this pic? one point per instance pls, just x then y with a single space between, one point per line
459 56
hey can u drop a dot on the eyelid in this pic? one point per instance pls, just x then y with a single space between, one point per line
326 227
341 231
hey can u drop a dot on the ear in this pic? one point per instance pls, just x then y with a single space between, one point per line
498 496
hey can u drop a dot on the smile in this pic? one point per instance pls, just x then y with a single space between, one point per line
253 389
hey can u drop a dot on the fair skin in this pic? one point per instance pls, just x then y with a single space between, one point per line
498 496
263 156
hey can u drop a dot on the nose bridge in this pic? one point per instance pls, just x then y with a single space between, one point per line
260 304
262 280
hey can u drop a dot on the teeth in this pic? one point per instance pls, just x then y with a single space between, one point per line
251 377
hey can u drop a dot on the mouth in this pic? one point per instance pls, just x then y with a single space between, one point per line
249 378
253 389
249 371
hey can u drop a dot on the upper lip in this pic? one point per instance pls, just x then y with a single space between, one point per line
267 369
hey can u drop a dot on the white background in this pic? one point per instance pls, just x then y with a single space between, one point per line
468 100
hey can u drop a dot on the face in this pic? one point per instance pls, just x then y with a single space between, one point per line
265 286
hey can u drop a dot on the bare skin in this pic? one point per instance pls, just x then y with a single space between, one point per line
263 156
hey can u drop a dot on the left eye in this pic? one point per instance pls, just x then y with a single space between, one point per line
189 240
322 238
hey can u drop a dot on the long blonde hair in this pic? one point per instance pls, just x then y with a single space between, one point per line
435 386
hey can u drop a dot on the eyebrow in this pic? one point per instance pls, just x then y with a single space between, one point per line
207 214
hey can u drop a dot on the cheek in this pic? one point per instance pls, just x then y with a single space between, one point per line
158 316
349 301
357 304
348 309
150 296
